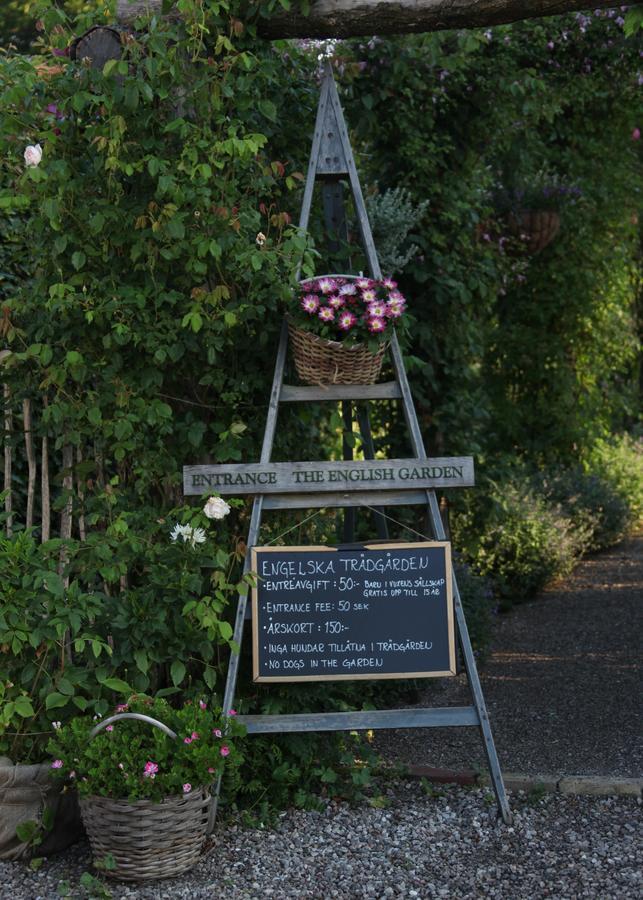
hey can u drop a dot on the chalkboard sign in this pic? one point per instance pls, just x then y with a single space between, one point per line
332 614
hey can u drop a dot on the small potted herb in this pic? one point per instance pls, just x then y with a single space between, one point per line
340 327
143 776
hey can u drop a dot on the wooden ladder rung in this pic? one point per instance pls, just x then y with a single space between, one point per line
292 393
362 720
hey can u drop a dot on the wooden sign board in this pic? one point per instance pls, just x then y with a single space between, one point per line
316 477
333 614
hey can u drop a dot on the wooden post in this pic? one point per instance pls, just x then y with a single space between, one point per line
31 460
8 428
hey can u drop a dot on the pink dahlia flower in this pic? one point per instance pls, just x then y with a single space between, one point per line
310 303
376 324
327 285
346 320
377 309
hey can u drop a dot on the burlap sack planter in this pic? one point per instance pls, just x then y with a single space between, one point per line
147 840
25 792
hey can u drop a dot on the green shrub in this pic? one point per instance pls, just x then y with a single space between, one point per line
619 462
600 516
517 539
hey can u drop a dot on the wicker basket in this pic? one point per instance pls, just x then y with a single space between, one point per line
540 227
147 840
319 361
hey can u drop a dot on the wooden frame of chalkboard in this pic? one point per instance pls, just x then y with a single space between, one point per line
316 616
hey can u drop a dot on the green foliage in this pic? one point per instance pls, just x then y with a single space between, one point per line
393 216
530 355
41 617
518 540
133 760
619 462
590 501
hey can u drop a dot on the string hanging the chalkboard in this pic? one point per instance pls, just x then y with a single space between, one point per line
294 527
380 512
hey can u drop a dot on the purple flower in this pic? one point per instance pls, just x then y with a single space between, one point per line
150 770
216 732
369 295
390 284
636 134
109 728
377 309
395 308
347 290
57 764
336 302
346 320
187 788
310 303
202 704
225 750
326 314
187 740
376 324
327 285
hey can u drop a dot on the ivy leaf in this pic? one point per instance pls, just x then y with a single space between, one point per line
177 672
56 701
118 685
78 260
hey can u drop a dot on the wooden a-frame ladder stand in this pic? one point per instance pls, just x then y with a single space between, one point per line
331 159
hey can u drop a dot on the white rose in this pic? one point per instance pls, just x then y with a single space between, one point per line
216 508
33 155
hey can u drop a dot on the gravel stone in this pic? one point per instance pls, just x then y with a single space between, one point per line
452 845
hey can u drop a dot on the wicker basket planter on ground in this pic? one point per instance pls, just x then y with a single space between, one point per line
319 361
147 840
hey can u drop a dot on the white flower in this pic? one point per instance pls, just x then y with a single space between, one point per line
216 508
178 531
198 536
189 534
260 239
33 155
56 725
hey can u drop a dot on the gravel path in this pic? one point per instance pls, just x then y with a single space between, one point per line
562 684
450 846
561 687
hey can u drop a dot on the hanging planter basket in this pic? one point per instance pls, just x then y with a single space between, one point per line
320 361
147 840
538 227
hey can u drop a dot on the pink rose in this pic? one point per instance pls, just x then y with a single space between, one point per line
225 750
216 732
33 155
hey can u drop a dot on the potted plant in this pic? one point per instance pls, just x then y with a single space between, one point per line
340 327
143 776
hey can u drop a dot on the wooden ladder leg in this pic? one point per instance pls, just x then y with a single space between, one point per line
467 651
253 534
364 422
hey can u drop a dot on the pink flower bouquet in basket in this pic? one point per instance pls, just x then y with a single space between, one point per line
340 326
